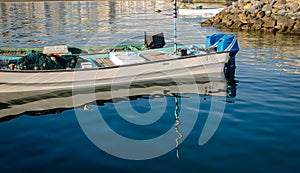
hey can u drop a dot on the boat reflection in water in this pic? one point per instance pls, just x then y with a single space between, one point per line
14 105
43 102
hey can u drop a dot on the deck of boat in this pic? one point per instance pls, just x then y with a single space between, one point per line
103 62
148 56
155 56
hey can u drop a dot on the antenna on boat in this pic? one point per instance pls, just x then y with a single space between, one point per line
175 27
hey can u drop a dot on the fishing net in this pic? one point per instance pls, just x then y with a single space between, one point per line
39 61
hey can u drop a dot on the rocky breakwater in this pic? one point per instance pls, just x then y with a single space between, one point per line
268 15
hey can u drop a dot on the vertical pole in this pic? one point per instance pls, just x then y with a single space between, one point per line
145 40
175 27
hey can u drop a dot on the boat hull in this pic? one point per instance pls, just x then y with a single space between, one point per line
207 67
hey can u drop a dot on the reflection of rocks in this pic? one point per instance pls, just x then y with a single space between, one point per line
279 51
270 15
5 34
34 41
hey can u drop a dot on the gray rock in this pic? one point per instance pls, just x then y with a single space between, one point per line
256 5
261 14
292 7
268 13
296 28
269 23
267 7
257 25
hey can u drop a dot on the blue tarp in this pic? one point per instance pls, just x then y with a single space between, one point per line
223 42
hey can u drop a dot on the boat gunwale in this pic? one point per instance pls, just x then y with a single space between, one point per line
110 67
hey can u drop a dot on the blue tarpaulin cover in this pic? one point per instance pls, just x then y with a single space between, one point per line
223 42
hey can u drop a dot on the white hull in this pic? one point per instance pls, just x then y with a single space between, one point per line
205 12
209 66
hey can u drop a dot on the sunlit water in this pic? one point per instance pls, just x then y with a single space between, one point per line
259 130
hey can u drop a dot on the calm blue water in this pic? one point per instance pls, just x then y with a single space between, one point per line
259 129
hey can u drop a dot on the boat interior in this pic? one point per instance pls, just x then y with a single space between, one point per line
107 59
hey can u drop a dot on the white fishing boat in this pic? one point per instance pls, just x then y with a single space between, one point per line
200 12
134 67
117 68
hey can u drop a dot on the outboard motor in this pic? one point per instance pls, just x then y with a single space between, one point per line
222 42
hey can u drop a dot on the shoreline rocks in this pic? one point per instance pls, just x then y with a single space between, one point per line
267 15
